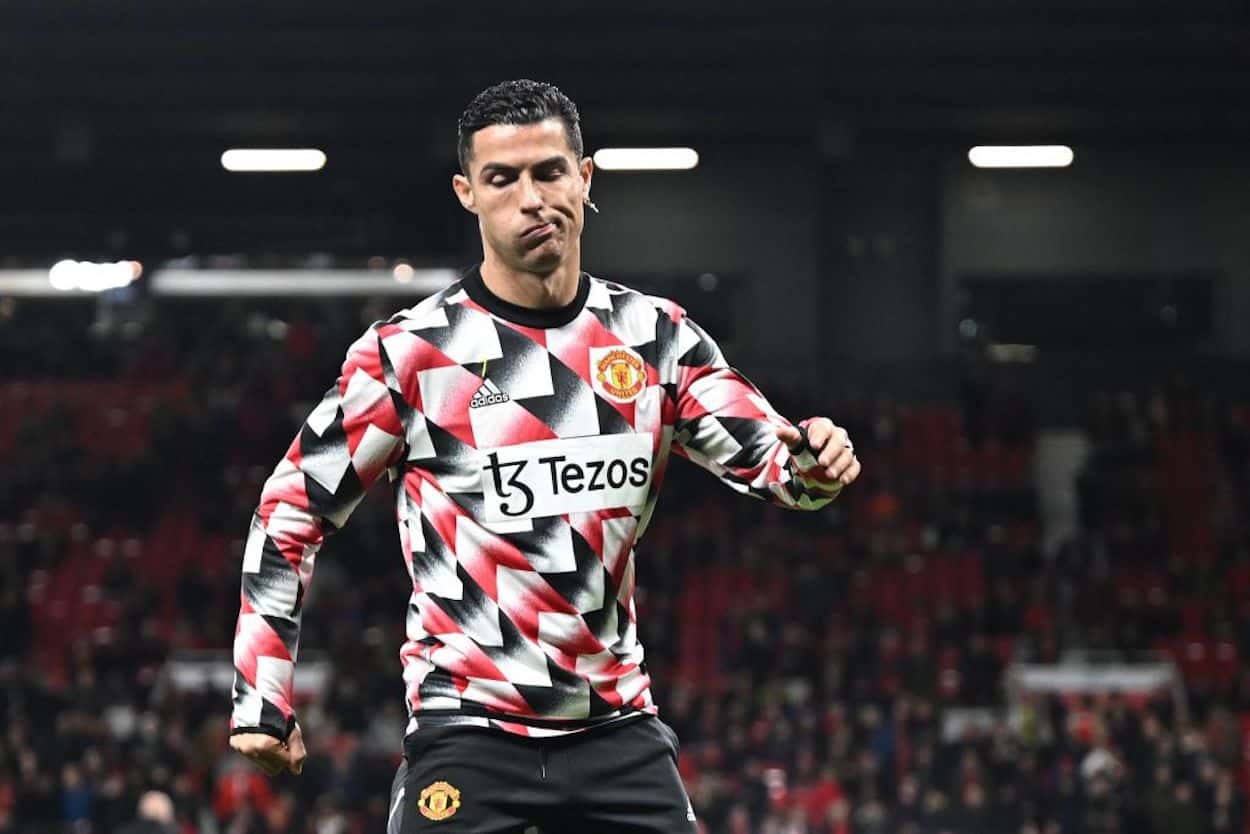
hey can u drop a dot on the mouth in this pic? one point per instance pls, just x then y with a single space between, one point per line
538 231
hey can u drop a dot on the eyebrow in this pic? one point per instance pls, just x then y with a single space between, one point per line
500 168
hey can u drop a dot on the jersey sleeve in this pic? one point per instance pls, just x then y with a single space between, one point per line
725 425
354 435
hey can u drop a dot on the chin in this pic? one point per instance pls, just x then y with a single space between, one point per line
539 261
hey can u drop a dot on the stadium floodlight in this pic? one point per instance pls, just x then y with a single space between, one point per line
646 159
86 276
271 160
1021 156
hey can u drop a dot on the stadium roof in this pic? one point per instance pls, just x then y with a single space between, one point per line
122 109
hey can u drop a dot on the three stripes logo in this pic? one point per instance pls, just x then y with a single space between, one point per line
488 394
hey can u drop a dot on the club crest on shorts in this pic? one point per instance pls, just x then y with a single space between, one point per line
439 801
617 373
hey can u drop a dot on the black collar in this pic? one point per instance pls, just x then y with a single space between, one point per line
528 316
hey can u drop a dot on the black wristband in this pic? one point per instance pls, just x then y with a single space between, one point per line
268 731
264 731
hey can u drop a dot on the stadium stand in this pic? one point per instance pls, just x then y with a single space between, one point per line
810 664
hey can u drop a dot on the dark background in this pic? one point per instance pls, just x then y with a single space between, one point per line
832 137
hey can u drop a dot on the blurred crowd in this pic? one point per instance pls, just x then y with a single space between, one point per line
811 663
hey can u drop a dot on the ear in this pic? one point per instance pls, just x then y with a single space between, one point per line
464 192
586 170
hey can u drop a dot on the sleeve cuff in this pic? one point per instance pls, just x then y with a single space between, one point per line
802 455
267 730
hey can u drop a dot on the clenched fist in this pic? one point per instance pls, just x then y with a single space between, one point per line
270 754
830 444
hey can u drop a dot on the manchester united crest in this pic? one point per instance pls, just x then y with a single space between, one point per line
619 373
439 801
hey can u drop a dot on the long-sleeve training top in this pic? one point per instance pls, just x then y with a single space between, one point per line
526 449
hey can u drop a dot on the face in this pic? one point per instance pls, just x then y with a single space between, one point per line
527 188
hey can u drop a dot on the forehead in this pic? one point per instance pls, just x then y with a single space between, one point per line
519 145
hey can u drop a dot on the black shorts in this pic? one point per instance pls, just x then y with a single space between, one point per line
618 778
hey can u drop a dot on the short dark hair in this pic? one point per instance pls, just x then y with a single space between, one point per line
519 102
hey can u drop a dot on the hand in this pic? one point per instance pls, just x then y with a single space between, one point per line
270 754
831 445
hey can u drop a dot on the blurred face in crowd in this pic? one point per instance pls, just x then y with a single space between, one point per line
527 187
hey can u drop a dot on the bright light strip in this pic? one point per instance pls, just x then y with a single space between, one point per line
30 283
273 159
295 283
646 159
1021 156
65 276
300 283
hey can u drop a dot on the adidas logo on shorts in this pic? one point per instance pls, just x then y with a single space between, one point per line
488 394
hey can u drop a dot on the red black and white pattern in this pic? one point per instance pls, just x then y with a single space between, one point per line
526 449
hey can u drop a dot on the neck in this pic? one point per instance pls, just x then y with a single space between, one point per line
532 289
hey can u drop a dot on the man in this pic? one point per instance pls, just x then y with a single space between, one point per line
525 415
156 815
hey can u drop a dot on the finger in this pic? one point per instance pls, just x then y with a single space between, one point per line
849 474
819 431
839 443
268 763
266 752
841 461
790 436
834 450
297 752
285 759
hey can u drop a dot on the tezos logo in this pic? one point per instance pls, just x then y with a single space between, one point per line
555 477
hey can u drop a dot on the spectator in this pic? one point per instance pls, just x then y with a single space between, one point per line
155 816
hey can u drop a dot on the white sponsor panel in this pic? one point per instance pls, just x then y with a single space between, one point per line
573 475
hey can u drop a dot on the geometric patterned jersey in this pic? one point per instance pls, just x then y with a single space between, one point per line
526 449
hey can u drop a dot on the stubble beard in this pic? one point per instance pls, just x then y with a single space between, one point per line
543 259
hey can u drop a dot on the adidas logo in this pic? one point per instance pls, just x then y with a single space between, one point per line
488 394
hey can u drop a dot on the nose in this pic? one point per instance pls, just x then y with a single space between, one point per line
531 198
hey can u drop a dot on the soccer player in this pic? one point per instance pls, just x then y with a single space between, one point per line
525 416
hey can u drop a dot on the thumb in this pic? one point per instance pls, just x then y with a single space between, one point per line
296 752
790 436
